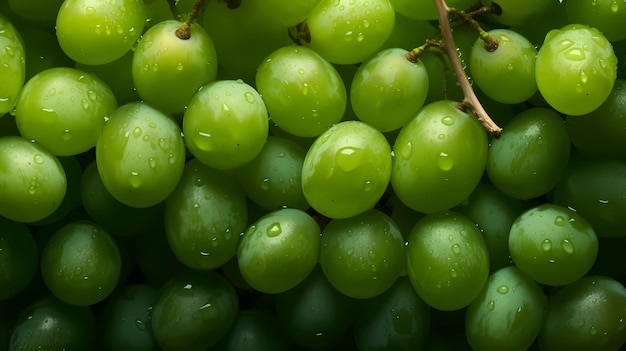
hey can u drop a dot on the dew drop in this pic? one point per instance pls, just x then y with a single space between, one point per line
300 70
137 132
406 150
546 245
456 249
134 180
90 11
491 305
348 158
560 221
583 77
575 54
249 97
444 161
273 230
49 116
510 67
567 246
180 67
448 120
140 324
614 6
593 331
453 273
205 141
152 163
281 155
368 186
265 184
502 289
66 134
38 159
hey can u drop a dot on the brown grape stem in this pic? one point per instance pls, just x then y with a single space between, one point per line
184 32
450 50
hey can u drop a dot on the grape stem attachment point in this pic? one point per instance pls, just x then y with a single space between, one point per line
450 49
184 32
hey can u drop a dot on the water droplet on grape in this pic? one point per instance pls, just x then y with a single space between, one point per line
453 273
134 180
348 158
444 161
32 190
180 67
90 11
456 249
225 108
265 184
567 246
583 77
300 70
49 116
38 158
491 305
502 289
546 245
510 67
368 186
593 330
405 150
448 120
204 142
575 54
273 230
66 134
152 163
560 221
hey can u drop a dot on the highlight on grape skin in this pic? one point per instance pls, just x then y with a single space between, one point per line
312 175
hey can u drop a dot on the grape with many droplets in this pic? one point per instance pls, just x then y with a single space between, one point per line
12 65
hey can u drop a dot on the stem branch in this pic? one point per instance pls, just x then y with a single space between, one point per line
468 92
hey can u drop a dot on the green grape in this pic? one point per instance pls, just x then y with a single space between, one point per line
117 75
588 314
105 210
273 179
506 74
167 70
439 157
508 313
81 263
95 32
447 260
602 131
12 64
362 256
204 217
575 69
425 9
596 189
516 12
42 51
194 311
226 124
244 33
36 10
552 244
50 324
494 213
279 250
140 155
531 154
388 89
314 314
607 16
64 109
346 170
126 319
348 31
19 258
32 180
304 93
397 320
254 330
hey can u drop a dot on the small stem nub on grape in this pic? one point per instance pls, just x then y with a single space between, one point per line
184 32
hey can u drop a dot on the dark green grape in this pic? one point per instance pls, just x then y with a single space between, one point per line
447 260
51 324
194 311
588 314
531 155
254 330
205 216
18 258
552 244
362 256
508 313
398 320
127 319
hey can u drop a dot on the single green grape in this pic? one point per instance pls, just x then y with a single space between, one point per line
531 154
362 256
64 109
226 124
588 314
388 89
346 170
81 263
32 180
273 179
439 158
193 311
575 69
204 216
19 258
348 31
95 32
506 74
304 93
279 250
140 155
447 260
167 70
508 313
553 245
12 64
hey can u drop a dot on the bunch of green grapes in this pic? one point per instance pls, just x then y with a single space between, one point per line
312 175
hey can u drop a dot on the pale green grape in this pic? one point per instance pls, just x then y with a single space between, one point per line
346 170
304 93
226 124
388 89
12 65
98 31
348 31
